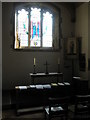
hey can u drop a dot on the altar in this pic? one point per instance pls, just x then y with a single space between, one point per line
53 74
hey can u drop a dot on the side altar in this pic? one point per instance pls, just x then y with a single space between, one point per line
53 74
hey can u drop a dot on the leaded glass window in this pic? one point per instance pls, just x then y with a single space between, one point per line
47 30
35 39
22 28
36 27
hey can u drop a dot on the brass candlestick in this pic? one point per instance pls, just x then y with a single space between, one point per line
34 69
34 66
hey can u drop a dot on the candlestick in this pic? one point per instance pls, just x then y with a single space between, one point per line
34 70
34 65
34 61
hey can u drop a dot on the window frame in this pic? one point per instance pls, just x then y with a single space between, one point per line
43 8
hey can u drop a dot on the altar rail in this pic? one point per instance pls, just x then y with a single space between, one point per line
37 95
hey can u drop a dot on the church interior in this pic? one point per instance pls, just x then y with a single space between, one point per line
30 76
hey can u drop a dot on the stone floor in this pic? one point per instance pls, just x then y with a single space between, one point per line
10 114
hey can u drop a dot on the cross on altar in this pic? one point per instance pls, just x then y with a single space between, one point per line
46 67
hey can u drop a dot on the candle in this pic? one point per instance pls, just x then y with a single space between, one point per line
58 60
34 61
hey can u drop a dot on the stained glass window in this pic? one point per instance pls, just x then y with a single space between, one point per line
34 28
47 30
35 40
22 28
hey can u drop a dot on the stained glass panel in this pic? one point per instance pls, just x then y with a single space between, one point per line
23 27
33 28
35 40
47 30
